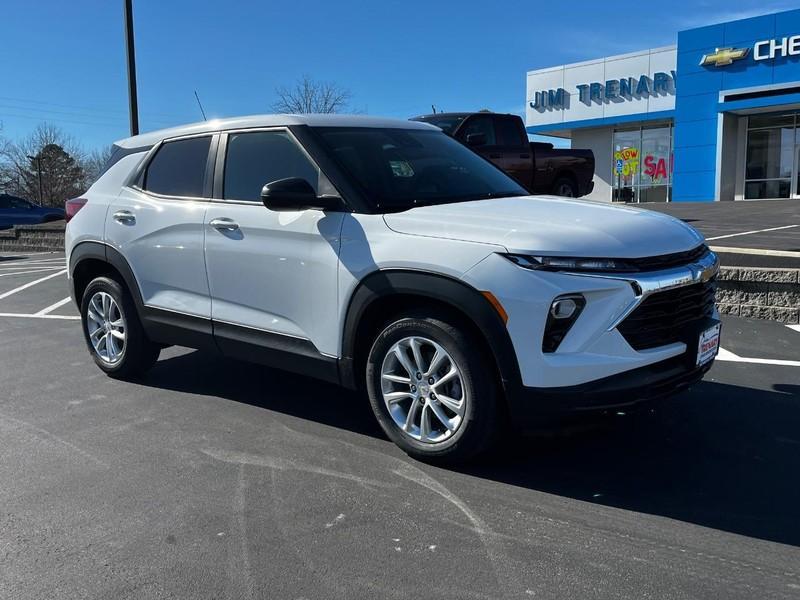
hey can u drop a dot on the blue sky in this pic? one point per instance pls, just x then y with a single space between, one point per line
64 61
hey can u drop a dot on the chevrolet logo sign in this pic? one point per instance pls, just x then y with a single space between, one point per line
723 57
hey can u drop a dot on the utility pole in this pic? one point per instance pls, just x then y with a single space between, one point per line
38 159
131 55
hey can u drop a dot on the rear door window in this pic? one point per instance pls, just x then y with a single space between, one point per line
179 168
509 133
256 158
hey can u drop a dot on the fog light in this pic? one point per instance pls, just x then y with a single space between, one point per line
563 313
563 308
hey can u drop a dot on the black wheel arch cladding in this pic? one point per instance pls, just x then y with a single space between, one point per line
441 289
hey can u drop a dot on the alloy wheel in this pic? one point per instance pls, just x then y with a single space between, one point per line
565 190
423 390
105 325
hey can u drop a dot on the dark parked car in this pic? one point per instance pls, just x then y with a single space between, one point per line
18 211
503 140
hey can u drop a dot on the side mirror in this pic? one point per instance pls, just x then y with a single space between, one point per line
295 194
476 139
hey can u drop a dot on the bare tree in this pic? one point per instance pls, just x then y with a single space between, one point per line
46 166
310 96
95 162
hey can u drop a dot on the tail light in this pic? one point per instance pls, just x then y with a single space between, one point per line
71 207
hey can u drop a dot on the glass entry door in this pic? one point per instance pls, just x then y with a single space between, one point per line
796 178
772 165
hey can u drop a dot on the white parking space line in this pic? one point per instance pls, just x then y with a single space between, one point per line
794 327
730 235
23 316
37 265
726 355
28 264
52 307
21 266
757 251
12 273
31 284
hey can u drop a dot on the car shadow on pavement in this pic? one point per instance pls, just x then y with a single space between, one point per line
718 455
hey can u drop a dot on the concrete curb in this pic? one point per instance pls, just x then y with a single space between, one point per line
753 292
760 293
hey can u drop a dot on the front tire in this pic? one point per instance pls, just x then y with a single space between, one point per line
432 388
113 332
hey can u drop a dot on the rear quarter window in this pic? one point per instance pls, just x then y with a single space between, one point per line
179 168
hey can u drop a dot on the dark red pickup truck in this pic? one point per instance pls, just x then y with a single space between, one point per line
503 140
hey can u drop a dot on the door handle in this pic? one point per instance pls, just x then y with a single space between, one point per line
125 217
495 156
224 223
524 155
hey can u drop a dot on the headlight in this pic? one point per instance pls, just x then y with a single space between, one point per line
566 263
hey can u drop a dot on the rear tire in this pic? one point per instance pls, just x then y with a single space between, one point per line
113 332
431 388
566 187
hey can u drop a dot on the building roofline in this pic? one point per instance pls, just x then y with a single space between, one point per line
595 61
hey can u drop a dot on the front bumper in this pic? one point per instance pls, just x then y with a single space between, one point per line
594 348
533 408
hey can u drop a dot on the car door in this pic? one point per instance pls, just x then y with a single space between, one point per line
513 144
156 223
272 275
6 215
17 211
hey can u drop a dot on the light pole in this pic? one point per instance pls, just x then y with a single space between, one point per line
131 55
38 159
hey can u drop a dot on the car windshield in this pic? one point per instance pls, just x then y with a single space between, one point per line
403 168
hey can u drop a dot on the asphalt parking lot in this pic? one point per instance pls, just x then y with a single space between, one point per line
764 233
216 479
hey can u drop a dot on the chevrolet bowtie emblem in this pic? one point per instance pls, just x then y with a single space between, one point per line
723 56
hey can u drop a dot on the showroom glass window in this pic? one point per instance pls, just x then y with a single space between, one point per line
642 164
254 159
771 169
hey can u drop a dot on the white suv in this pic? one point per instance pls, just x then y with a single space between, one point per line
385 256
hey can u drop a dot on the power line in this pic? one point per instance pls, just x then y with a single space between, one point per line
92 109
59 120
48 111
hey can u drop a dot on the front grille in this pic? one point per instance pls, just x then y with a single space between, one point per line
665 317
667 261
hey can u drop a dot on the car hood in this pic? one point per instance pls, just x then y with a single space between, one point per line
551 225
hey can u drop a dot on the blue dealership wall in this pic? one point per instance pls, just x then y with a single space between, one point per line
697 106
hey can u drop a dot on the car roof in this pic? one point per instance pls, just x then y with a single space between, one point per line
446 114
153 137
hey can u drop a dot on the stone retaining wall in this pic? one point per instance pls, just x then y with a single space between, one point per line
33 238
756 293
760 293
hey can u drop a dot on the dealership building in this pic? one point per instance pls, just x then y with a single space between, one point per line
715 117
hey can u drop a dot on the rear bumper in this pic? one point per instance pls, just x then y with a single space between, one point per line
532 408
586 189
